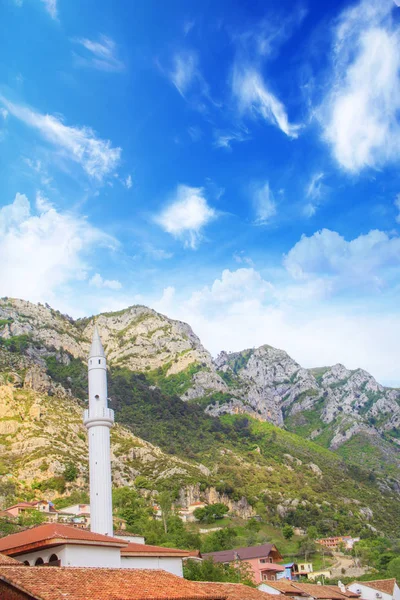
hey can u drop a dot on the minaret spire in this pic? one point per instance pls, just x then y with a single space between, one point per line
98 419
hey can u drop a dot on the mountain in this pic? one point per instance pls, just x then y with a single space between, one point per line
252 429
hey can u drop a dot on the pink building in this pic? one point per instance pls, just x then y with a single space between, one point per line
262 560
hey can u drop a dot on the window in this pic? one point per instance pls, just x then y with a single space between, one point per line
99 361
26 563
54 560
39 562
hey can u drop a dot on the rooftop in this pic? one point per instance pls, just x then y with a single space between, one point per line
242 553
113 584
7 561
134 549
382 585
53 534
237 591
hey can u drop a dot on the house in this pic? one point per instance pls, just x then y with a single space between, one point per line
335 542
23 508
305 590
29 583
380 589
322 574
262 560
55 544
294 571
143 556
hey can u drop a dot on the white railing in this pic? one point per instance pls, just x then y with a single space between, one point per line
99 413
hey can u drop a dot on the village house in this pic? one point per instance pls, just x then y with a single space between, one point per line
23 508
62 545
30 583
294 571
307 590
261 559
381 589
334 543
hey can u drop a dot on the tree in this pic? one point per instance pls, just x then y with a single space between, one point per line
288 532
307 547
223 539
312 532
164 500
70 472
208 570
211 512
31 517
393 569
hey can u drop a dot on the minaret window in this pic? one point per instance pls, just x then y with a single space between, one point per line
99 361
97 396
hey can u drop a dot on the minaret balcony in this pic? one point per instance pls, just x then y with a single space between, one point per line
100 416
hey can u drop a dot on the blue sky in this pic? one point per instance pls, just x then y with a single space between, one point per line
232 164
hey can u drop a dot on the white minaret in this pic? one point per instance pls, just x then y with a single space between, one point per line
98 420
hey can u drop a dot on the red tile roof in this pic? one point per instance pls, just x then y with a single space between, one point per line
224 556
382 585
321 592
107 584
238 591
286 587
134 549
53 534
7 561
272 567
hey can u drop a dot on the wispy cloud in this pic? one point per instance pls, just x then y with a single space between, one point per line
51 7
314 192
80 144
360 112
264 203
98 282
184 71
186 215
128 182
224 139
100 54
254 98
397 205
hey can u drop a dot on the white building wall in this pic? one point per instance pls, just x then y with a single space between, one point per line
367 593
31 557
92 556
170 564
72 555
136 539
264 587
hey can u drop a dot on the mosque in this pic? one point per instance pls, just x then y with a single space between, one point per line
55 544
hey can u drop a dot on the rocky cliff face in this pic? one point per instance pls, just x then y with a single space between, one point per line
329 404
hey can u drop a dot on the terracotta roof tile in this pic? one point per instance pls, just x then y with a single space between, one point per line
285 586
322 592
135 549
238 591
382 585
51 533
113 584
241 553
6 561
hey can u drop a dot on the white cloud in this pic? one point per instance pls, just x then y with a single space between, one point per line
128 182
51 7
43 252
98 281
360 113
264 204
314 192
80 144
224 139
42 203
370 259
101 54
254 97
4 113
397 205
186 215
241 310
184 71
